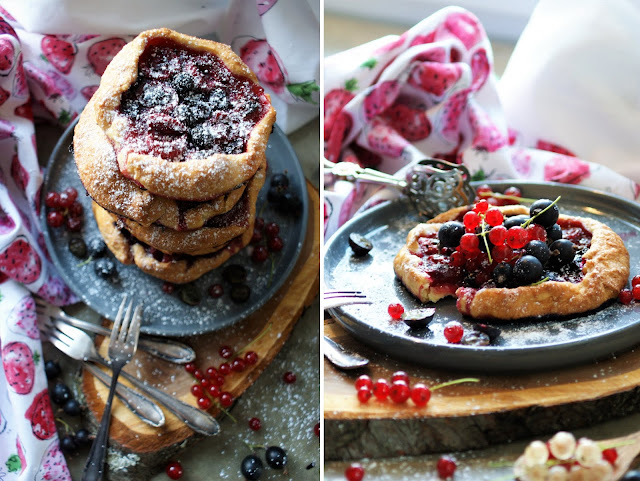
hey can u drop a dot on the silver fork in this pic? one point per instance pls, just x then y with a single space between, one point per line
166 349
122 346
336 298
82 349
140 405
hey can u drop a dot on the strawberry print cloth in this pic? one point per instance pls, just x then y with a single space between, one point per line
51 76
432 92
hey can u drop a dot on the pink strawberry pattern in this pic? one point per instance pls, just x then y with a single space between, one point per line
7 56
433 77
264 61
21 262
569 170
101 53
7 224
57 292
26 322
378 98
60 53
18 173
412 123
17 462
334 101
19 363
41 417
384 140
465 27
53 466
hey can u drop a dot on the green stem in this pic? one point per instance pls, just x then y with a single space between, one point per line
486 242
507 197
67 428
219 406
540 281
619 444
456 381
253 447
530 220
85 262
258 337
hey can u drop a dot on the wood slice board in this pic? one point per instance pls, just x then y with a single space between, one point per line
495 410
278 316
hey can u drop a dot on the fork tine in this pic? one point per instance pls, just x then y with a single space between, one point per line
126 322
134 329
115 329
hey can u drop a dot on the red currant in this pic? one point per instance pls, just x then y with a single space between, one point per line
174 470
238 364
517 237
52 200
364 394
635 281
469 242
494 217
168 288
76 210
400 392
420 394
255 424
226 399
395 310
483 189
364 381
381 389
204 403
74 224
198 374
636 292
65 200
275 244
216 290
289 377
224 368
190 367
316 429
471 220
610 455
217 380
355 472
196 390
225 352
71 193
260 254
259 223
514 192
205 383
55 218
625 296
251 357
214 391
457 259
536 232
256 238
211 372
446 467
272 229
453 332
481 206
497 235
400 376
501 252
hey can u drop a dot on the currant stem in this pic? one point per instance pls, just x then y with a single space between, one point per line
540 281
486 243
67 428
219 406
455 381
507 197
85 262
530 220
258 337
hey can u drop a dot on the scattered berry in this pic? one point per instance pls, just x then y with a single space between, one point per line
255 424
471 220
446 467
399 392
400 376
316 429
381 389
635 292
635 280
395 310
197 391
251 357
52 369
275 244
359 244
61 393
72 408
174 470
251 467
364 394
420 394
238 365
81 437
289 377
625 296
226 399
453 332
204 403
225 352
240 293
78 247
364 381
276 457
213 390
96 247
271 229
105 268
68 444
234 274
355 472
190 367
52 200
224 368
55 218
527 270
418 318
260 254
481 206
562 251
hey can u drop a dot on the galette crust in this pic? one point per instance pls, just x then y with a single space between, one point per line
605 273
196 179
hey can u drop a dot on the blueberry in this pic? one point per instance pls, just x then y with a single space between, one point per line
96 247
275 195
418 318
67 444
290 204
190 295
502 273
218 99
61 393
359 244
81 437
491 331
234 274
562 251
72 408
527 270
105 268
515 220
157 95
233 146
280 180
550 215
202 137
78 247
539 250
251 467
450 234
52 369
276 457
475 338
632 476
183 82
554 233
240 293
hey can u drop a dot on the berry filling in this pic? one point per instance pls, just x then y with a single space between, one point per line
186 104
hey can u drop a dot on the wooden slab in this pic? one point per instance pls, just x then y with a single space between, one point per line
496 410
130 435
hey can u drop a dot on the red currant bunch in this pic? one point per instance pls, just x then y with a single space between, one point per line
63 208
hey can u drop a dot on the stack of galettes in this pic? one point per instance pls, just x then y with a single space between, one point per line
171 148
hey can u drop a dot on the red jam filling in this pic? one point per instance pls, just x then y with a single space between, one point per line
186 104
476 272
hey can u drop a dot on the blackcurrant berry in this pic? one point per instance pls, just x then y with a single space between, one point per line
78 247
81 437
234 274
190 295
72 408
554 233
52 369
475 338
280 180
61 393
491 331
276 457
562 251
96 247
105 268
516 220
450 234
67 444
527 270
251 467
550 215
359 244
183 82
632 476
240 293
418 318
502 273
539 250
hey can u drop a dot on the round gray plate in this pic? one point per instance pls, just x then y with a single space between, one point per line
530 345
167 315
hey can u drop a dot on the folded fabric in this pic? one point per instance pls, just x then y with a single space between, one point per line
53 76
432 92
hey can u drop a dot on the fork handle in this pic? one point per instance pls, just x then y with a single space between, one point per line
94 468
